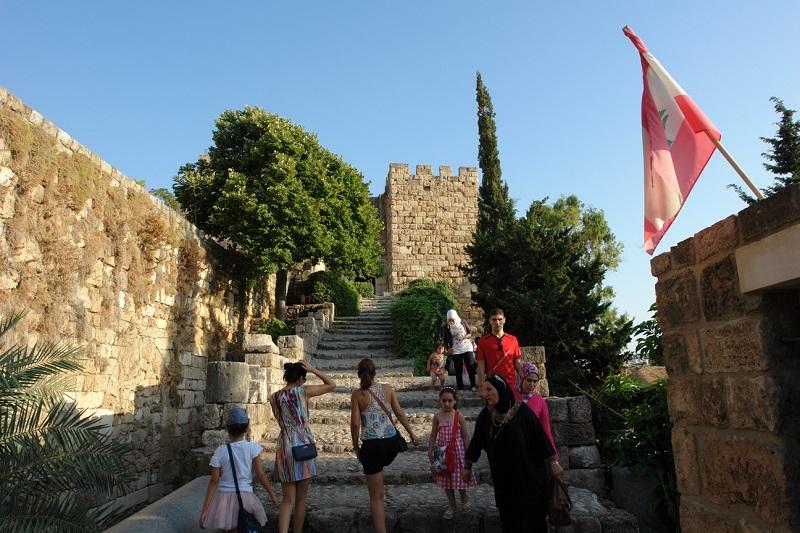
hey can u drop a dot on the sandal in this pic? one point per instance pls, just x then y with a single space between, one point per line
464 507
448 515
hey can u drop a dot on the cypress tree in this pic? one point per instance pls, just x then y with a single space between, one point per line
495 208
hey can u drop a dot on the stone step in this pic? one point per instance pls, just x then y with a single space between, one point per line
359 345
365 327
378 320
357 333
355 354
355 337
409 400
418 508
345 365
351 380
400 381
423 414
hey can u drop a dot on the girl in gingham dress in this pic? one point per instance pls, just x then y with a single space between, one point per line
442 435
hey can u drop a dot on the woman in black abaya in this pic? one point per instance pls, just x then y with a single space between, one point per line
519 451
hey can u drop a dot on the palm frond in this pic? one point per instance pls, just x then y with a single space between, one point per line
21 368
47 512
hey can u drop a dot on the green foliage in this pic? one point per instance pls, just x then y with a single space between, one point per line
633 428
327 286
275 327
56 462
495 208
783 156
167 197
547 272
648 339
278 197
364 289
418 314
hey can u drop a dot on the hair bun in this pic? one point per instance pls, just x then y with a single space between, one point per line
287 366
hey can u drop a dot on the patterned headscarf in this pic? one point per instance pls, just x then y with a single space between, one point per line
529 368
504 393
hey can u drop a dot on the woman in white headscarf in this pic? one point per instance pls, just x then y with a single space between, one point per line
460 348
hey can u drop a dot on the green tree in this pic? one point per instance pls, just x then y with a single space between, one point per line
648 339
783 156
549 278
167 197
57 463
495 208
278 197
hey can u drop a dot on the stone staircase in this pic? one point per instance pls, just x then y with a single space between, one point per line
338 500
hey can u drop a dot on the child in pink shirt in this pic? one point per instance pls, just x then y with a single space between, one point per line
530 377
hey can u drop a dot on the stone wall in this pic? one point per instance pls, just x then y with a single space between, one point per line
733 358
428 221
98 262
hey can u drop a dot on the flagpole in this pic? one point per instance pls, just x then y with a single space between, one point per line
735 165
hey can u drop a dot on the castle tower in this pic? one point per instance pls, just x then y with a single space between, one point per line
428 221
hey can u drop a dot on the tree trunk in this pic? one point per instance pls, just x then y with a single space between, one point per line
281 290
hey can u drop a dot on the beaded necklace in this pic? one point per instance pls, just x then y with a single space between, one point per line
497 426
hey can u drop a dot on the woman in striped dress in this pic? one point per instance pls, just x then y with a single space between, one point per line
290 408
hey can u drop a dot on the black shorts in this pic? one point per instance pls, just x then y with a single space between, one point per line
377 453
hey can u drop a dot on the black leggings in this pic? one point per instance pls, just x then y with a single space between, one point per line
459 360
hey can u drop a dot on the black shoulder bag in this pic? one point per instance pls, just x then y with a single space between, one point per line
246 523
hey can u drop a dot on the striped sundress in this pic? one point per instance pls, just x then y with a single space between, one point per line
292 409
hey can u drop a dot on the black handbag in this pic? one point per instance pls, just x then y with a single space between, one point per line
304 452
245 522
560 504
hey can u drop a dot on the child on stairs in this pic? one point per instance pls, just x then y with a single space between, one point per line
436 365
449 431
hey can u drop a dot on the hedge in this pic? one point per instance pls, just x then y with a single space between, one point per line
364 289
330 287
418 314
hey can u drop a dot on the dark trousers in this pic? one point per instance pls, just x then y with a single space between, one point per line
459 360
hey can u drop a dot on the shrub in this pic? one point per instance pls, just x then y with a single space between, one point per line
275 327
418 314
328 286
634 429
364 289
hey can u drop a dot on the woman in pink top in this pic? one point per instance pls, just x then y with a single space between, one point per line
530 377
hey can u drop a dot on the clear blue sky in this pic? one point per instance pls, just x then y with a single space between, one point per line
141 83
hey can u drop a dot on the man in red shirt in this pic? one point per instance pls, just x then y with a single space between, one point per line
499 353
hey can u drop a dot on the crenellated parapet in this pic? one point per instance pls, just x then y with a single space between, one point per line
429 220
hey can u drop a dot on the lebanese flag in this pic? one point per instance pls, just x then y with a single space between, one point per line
677 145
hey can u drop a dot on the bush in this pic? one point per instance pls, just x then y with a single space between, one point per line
327 286
364 289
418 314
275 327
634 429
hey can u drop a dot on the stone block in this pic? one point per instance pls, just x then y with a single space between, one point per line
592 479
771 214
580 410
534 354
211 416
227 381
682 353
744 471
721 237
687 467
734 347
259 413
697 401
573 434
214 437
258 385
584 457
259 343
697 518
619 521
753 403
721 297
563 456
659 264
258 359
683 254
678 300
558 407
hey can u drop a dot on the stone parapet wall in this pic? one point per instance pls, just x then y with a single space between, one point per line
733 360
428 222
98 262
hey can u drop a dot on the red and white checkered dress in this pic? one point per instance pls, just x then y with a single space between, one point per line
452 480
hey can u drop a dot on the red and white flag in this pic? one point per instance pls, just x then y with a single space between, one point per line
677 145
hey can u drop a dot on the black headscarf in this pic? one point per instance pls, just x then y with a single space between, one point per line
506 396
